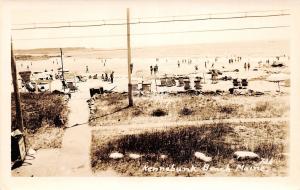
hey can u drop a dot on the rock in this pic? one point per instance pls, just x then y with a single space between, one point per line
202 157
245 155
163 156
116 155
134 156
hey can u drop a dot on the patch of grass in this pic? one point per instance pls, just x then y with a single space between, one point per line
202 107
179 144
137 111
270 150
262 106
44 117
228 109
45 137
218 141
38 108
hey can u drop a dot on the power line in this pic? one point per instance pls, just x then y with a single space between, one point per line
153 22
138 18
159 33
217 30
210 18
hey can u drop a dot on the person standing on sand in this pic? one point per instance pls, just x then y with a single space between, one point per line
248 66
106 77
155 69
87 69
245 66
112 77
151 69
131 67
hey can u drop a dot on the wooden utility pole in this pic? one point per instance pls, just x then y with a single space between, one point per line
19 116
129 60
62 67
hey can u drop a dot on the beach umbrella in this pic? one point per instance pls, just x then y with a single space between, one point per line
277 78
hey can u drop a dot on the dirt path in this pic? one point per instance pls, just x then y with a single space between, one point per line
196 123
73 158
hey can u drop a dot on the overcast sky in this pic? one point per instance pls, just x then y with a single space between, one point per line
66 11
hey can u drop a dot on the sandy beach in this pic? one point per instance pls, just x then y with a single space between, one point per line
100 62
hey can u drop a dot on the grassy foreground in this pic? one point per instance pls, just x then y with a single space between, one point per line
45 116
179 144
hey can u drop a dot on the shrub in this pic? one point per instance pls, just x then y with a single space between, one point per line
40 109
186 111
159 112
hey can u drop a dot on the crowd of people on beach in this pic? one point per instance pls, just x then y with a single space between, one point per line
212 66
